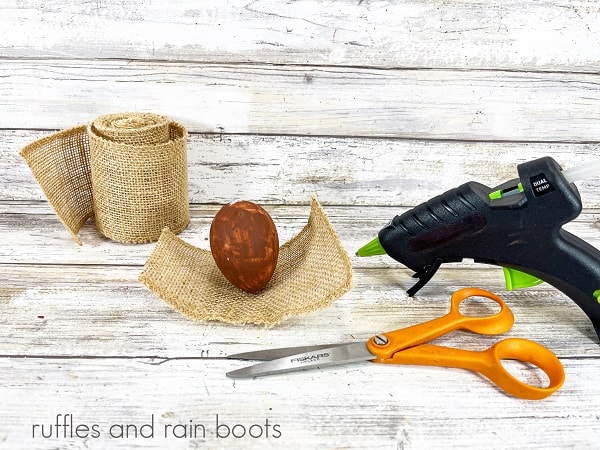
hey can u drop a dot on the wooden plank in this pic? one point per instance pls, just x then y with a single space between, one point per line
29 236
372 406
310 100
104 311
340 171
517 35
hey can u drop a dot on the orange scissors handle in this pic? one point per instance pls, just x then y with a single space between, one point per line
387 344
489 363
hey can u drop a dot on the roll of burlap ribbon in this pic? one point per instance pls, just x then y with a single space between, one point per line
127 170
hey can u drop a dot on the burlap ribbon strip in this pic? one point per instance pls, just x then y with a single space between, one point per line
312 271
127 170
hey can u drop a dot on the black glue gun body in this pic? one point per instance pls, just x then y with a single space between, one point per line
517 225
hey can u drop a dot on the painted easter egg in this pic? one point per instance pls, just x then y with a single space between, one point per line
245 245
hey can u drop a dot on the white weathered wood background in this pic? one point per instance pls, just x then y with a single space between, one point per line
374 106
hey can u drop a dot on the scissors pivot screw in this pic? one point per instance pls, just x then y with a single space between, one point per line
380 339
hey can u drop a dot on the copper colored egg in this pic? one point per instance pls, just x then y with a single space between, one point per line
245 245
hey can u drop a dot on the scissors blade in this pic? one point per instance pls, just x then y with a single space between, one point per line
276 353
340 354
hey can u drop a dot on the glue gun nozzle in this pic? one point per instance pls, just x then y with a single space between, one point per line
373 248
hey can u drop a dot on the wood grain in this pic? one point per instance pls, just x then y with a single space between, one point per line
361 412
307 100
559 35
349 171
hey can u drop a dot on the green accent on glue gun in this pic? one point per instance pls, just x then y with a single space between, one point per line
515 279
597 295
502 192
495 195
373 248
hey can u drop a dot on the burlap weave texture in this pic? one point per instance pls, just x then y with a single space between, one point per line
127 170
312 271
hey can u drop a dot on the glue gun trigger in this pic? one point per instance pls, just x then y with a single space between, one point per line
424 275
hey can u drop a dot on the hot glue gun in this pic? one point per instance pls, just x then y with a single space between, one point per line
516 225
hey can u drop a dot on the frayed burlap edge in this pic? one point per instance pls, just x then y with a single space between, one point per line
60 163
312 271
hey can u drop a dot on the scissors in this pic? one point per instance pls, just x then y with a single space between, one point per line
410 346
